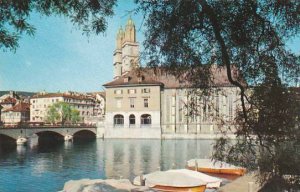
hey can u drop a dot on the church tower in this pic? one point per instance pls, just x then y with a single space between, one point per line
118 53
126 55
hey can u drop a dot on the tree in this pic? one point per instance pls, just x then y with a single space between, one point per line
62 112
187 37
14 15
53 115
75 117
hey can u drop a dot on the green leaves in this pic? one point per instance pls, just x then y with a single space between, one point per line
89 16
251 36
62 112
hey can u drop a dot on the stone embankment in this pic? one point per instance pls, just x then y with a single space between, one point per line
246 183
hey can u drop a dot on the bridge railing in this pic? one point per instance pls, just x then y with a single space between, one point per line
42 125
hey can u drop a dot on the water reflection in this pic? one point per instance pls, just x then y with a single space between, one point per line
128 158
48 167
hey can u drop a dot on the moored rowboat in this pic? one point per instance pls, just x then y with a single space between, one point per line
173 181
200 188
21 141
218 167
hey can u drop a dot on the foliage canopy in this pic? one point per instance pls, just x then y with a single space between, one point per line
62 112
88 15
249 36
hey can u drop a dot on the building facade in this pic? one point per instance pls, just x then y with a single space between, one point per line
40 103
141 102
15 115
7 101
151 103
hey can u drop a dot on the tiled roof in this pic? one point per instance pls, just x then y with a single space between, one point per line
9 100
20 107
102 93
134 78
159 76
64 95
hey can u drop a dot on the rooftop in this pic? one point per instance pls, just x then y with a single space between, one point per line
64 95
161 77
9 100
20 107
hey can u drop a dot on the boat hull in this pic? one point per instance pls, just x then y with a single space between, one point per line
239 171
200 188
21 141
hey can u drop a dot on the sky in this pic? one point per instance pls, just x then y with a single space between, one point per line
59 58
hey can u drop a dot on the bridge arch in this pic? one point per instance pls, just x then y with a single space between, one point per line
49 136
84 134
6 139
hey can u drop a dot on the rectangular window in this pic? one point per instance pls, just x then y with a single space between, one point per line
230 108
181 104
168 109
118 91
146 103
131 102
131 91
204 109
119 103
217 106
146 90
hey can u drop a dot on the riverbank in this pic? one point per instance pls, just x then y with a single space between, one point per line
246 183
109 185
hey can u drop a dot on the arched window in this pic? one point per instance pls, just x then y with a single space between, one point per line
118 120
131 119
146 119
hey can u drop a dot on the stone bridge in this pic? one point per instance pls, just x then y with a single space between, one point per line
14 133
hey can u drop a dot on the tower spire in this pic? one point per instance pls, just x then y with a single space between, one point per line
130 31
126 55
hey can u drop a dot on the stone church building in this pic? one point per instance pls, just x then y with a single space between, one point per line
151 103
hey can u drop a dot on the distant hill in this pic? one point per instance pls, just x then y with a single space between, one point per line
21 93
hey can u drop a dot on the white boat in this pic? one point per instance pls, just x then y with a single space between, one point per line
68 138
21 141
218 167
186 178
212 182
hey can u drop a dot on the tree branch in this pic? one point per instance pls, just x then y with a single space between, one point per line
225 56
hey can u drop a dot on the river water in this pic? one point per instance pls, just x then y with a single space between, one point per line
47 167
